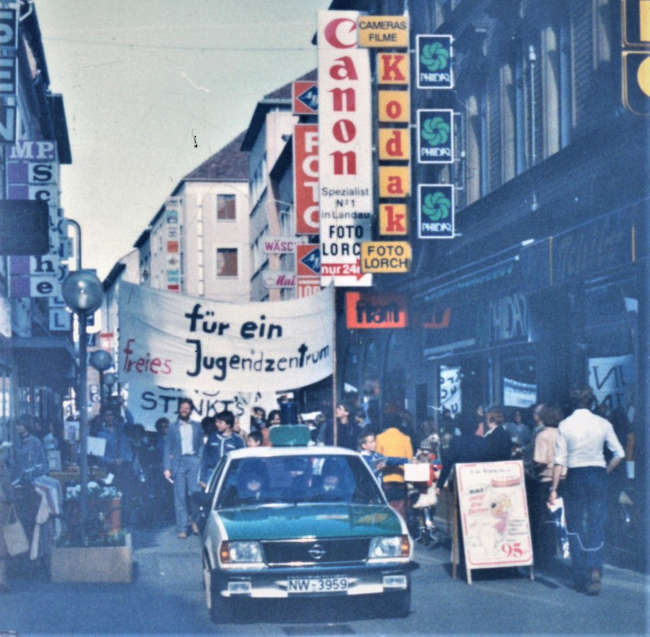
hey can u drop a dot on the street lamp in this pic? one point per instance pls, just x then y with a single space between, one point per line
110 380
101 360
82 291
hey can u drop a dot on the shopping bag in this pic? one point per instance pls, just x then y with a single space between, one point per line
558 519
14 534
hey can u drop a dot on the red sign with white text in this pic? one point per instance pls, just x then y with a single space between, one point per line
305 179
372 310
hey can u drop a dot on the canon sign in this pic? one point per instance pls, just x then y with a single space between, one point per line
344 149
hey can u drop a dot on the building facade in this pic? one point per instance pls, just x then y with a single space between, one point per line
37 357
545 285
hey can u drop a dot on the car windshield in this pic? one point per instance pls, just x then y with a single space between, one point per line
297 480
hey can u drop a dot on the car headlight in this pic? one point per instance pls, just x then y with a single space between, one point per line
382 548
241 552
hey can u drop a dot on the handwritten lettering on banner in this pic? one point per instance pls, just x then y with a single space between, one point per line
188 342
147 403
494 514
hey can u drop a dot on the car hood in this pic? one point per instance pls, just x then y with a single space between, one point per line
266 522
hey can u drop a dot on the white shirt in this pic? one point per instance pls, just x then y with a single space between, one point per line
581 439
186 438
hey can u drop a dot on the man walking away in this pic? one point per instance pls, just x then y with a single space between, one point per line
579 447
183 447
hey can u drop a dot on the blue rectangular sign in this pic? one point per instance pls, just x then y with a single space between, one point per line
433 61
435 211
435 127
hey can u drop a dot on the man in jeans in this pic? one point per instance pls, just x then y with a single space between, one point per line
181 462
579 446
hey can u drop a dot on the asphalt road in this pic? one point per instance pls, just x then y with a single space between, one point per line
167 598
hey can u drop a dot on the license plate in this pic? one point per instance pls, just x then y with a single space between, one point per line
317 584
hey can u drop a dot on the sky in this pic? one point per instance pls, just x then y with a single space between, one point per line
145 81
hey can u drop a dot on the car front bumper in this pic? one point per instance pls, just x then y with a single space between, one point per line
274 582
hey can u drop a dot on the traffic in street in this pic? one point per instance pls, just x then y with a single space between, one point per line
167 598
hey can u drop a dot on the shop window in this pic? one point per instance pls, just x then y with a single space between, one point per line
519 382
226 208
227 262
612 335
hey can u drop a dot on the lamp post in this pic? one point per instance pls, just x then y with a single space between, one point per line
101 360
110 380
83 294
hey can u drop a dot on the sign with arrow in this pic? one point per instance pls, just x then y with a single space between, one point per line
305 97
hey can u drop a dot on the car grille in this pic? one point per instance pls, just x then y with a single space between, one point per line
316 551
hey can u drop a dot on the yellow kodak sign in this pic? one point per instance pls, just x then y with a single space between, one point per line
379 31
386 257
394 106
395 143
393 219
394 181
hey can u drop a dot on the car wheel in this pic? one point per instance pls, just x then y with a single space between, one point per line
396 603
222 609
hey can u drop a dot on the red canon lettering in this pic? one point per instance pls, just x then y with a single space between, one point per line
335 29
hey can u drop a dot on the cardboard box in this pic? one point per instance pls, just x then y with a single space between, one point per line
100 564
416 472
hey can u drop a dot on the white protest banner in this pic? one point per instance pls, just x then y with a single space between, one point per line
182 341
494 514
147 403
611 379
450 389
344 149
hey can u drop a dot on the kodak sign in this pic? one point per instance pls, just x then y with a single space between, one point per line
394 136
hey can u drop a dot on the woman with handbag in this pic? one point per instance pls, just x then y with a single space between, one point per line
5 511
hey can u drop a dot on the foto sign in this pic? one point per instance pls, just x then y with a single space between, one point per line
435 211
433 59
386 257
381 31
305 178
435 130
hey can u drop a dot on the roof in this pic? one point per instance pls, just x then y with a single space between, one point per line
140 241
268 452
228 164
279 97
113 275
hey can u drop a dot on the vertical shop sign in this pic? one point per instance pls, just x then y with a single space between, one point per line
33 174
435 211
433 61
305 165
435 130
635 56
345 147
308 259
8 73
304 96
171 239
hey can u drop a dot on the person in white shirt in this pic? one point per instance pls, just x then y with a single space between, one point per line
579 447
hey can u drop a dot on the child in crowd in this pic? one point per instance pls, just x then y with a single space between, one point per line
254 439
375 460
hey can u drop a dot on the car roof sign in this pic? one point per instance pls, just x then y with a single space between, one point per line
290 435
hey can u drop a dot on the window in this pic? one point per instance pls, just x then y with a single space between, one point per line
226 208
226 261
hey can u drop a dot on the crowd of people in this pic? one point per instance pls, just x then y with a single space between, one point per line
159 472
